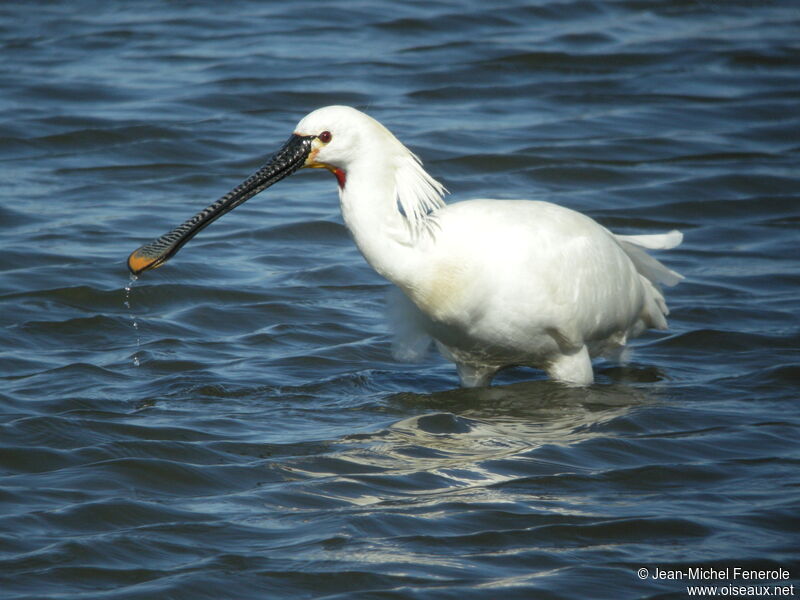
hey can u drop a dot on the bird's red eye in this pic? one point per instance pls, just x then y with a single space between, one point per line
325 137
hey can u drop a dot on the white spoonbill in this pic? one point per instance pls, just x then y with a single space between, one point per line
496 283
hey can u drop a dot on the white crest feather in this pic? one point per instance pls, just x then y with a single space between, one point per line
418 194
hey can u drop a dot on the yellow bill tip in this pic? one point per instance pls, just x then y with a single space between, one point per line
138 263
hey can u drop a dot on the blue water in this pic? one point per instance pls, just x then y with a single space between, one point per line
235 426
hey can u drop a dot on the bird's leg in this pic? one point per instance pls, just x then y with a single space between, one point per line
473 376
572 369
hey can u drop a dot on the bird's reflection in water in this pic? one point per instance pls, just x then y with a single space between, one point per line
462 433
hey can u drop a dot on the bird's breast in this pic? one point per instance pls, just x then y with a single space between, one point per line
441 292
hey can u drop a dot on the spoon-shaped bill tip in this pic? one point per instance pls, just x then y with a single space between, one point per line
140 261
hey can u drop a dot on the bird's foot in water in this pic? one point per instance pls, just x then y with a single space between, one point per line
572 369
475 376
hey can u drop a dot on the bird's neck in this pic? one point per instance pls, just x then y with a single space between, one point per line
369 208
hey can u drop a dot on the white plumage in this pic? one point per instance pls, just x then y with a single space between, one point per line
496 283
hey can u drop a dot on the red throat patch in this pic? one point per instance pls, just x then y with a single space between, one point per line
341 176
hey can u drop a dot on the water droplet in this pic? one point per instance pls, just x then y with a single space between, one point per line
127 304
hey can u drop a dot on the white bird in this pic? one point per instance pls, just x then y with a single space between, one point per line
496 283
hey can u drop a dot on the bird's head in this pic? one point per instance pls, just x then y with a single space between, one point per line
343 136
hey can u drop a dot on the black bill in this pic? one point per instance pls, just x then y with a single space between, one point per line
283 163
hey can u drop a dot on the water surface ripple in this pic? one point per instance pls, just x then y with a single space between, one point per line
234 426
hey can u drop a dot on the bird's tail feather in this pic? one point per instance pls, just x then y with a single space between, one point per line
657 241
653 273
649 267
